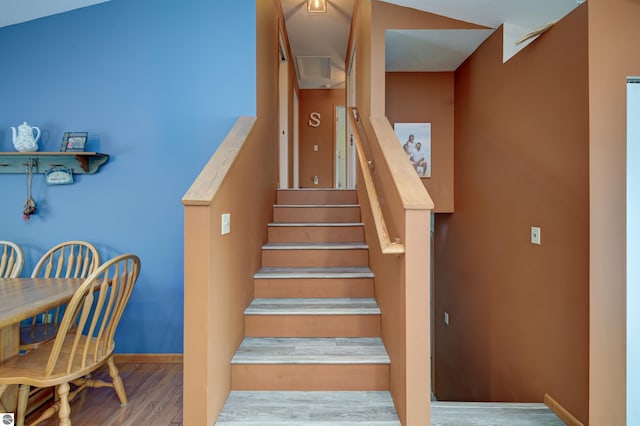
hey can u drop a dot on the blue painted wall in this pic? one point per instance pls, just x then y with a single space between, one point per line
157 84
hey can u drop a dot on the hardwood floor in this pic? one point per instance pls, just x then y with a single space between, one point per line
154 392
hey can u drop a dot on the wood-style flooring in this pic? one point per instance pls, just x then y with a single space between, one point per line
155 399
154 392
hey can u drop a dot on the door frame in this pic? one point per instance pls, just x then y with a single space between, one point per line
351 102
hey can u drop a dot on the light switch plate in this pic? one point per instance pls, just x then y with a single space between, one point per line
226 223
535 235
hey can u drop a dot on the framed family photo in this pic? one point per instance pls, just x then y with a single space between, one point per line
416 142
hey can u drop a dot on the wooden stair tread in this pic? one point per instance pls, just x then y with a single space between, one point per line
315 206
315 224
314 408
313 306
319 272
315 246
311 350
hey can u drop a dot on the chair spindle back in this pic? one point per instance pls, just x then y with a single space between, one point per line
11 260
93 314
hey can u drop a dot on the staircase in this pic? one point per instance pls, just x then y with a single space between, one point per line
312 353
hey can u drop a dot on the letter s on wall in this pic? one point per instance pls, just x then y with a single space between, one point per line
314 119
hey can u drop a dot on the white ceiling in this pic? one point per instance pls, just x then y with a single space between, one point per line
430 50
17 11
321 40
319 35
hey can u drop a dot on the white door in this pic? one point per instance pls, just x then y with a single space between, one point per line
633 251
341 148
283 143
296 141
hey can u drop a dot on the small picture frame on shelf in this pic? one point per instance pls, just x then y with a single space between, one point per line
74 141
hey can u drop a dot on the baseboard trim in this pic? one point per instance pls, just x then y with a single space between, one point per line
149 358
561 412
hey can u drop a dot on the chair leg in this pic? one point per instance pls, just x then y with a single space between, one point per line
23 398
65 409
117 382
2 389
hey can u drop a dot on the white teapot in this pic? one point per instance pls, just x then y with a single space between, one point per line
24 139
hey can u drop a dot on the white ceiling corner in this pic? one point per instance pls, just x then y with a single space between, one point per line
18 11
430 50
510 40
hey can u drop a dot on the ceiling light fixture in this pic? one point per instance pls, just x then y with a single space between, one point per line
317 6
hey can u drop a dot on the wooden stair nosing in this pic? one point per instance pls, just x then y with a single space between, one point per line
313 306
315 224
311 272
314 246
315 206
311 350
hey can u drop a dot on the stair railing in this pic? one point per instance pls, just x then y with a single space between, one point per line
366 164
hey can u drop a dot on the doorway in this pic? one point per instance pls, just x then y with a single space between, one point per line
633 250
341 148
283 134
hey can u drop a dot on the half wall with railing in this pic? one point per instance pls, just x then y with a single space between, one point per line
239 180
396 210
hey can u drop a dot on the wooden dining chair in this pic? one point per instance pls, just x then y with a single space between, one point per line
84 343
70 259
11 260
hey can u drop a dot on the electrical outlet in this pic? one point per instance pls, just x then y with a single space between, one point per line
446 318
315 180
535 235
315 148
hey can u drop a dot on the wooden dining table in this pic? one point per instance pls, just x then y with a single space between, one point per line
22 298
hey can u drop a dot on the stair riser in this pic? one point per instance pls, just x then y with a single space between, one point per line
317 197
316 234
313 288
312 325
308 377
311 258
316 214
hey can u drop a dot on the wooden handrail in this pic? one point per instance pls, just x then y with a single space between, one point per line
206 185
386 245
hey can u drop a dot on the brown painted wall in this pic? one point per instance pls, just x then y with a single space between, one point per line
427 98
613 56
318 163
519 318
